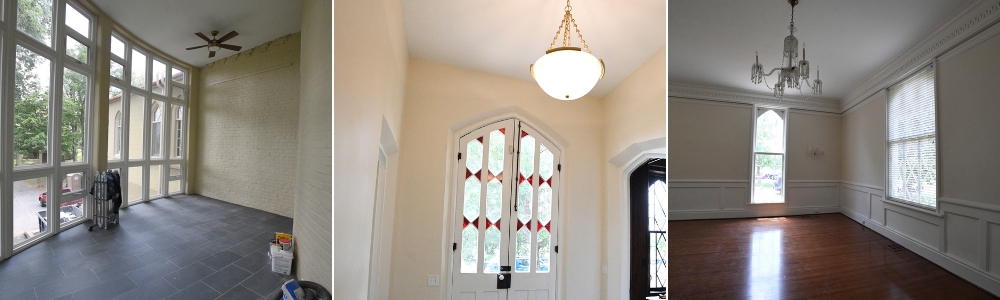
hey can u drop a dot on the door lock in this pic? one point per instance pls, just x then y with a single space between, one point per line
503 278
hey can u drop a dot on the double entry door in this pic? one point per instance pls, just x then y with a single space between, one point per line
506 214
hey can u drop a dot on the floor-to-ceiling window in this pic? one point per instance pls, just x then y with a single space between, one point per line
47 73
152 129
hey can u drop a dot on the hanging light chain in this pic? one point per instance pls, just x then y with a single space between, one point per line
564 29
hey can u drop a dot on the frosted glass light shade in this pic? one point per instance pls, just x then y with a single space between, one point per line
213 48
567 73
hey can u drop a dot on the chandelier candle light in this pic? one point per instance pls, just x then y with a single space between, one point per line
566 73
794 72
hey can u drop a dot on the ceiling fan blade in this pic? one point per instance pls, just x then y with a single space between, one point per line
202 36
231 47
211 53
202 46
228 36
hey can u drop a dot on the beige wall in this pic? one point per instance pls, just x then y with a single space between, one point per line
968 140
313 199
634 112
708 140
248 127
370 58
863 145
807 130
439 96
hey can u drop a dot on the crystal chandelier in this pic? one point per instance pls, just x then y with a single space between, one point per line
566 73
793 72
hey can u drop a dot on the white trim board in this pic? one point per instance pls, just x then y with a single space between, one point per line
694 92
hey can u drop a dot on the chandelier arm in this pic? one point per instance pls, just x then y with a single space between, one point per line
772 72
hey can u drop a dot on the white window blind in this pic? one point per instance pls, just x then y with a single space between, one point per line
911 140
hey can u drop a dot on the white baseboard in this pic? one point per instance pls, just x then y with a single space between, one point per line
751 213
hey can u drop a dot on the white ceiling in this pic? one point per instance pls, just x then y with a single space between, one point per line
170 25
505 37
712 43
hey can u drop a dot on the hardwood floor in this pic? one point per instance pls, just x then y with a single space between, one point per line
817 257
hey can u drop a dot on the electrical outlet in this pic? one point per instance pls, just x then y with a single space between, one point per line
433 280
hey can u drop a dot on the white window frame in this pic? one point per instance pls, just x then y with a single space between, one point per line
937 148
783 153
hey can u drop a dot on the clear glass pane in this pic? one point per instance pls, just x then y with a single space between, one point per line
494 200
768 182
71 208
155 175
527 156
544 204
470 249
175 170
159 78
474 150
472 198
117 47
657 208
770 132
658 260
496 152
522 260
176 133
177 93
178 75
115 133
117 70
137 113
524 191
138 69
545 162
173 187
31 108
913 171
30 216
156 130
134 184
543 250
74 112
76 50
76 21
491 256
34 18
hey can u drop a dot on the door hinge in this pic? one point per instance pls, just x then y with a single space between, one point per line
559 167
557 249
454 246
460 156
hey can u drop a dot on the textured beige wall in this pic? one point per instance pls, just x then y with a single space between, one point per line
439 96
863 145
248 127
635 111
968 140
313 197
708 141
370 63
807 130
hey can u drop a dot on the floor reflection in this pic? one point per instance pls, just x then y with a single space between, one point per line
765 265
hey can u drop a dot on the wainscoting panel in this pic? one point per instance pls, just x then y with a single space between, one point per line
708 199
961 236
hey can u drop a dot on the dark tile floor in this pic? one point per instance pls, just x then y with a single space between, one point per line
182 247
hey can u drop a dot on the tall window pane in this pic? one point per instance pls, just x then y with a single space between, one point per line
156 130
71 206
117 47
175 142
911 140
768 156
30 217
74 113
136 125
178 75
155 175
34 18
76 50
159 78
138 69
31 108
134 184
115 133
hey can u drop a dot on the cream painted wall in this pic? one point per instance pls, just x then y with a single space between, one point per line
313 211
708 140
634 112
968 141
370 59
813 130
863 144
439 96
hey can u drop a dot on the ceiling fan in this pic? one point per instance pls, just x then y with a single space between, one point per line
214 44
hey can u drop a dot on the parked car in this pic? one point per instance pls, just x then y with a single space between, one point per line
43 198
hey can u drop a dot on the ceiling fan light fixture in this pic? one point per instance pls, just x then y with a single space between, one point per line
567 73
213 48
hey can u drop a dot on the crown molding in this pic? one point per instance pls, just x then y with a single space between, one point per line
688 91
963 25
